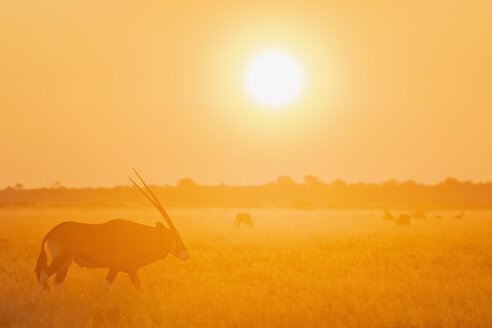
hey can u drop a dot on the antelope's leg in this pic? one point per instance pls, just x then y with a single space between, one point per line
112 273
58 262
61 274
43 283
135 279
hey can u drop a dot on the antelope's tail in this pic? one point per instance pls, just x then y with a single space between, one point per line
42 263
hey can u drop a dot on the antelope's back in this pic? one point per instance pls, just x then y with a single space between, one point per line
121 244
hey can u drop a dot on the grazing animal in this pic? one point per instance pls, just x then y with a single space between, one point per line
419 214
118 245
403 220
388 216
459 216
243 218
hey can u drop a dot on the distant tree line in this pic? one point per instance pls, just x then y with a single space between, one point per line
284 192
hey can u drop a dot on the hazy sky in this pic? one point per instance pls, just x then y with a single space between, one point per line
90 89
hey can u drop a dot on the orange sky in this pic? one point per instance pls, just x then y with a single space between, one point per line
90 89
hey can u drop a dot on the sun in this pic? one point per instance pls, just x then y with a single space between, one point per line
274 78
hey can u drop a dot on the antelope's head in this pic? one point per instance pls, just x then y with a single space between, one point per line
171 235
172 239
178 248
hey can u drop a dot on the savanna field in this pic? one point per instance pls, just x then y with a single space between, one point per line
294 268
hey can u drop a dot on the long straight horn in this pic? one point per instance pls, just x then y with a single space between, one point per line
155 201
143 192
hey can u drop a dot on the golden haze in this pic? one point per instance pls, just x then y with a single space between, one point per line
293 268
393 90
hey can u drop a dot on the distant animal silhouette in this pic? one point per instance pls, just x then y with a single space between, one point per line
419 214
403 220
459 216
119 245
243 218
388 216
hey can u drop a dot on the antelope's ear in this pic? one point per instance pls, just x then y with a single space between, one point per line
159 225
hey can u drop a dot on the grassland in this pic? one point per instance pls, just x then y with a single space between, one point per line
294 268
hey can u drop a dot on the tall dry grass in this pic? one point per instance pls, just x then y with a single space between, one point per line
294 268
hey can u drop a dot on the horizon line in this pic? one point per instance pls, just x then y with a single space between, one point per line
59 185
